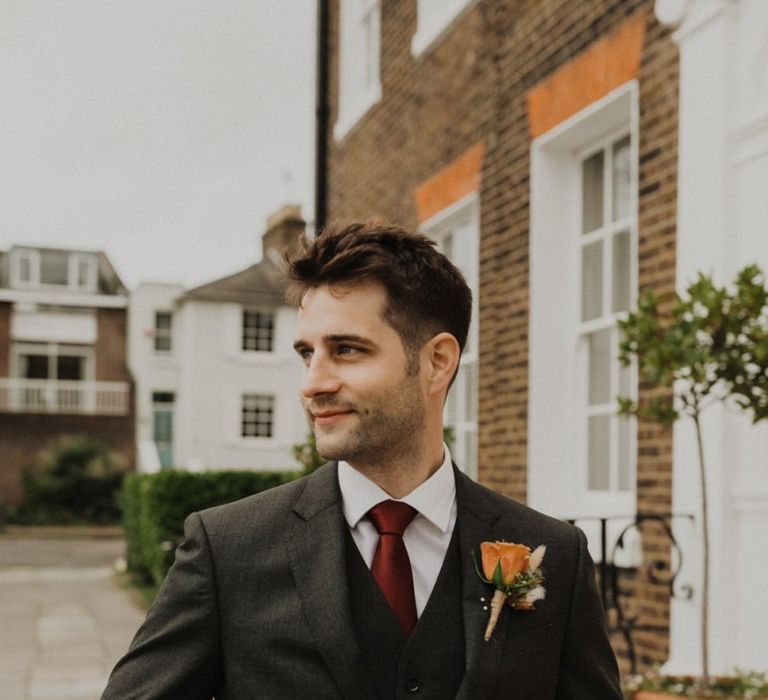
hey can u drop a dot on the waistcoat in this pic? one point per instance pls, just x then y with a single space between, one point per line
429 664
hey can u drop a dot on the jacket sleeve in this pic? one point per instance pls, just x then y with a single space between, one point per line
588 665
176 652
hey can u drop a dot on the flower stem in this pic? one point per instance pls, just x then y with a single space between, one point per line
497 603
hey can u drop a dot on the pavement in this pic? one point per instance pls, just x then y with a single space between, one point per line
65 616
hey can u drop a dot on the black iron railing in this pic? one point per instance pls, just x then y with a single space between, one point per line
659 570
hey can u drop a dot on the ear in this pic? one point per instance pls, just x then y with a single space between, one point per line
441 357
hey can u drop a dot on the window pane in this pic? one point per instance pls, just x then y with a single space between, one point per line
162 397
470 451
256 416
163 426
599 367
258 331
592 281
163 331
598 453
592 193
625 380
25 269
621 179
34 366
621 272
83 273
70 367
470 392
163 321
53 267
624 453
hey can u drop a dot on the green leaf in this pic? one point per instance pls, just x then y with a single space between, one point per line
498 577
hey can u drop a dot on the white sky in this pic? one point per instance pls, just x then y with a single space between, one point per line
163 132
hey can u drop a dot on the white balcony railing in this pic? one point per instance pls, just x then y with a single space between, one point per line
66 397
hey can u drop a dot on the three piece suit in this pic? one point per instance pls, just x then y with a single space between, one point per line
269 598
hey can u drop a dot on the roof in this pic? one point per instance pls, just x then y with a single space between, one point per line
259 284
109 281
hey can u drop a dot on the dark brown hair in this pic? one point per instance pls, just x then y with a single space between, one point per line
426 293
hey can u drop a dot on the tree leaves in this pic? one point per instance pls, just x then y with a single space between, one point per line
712 344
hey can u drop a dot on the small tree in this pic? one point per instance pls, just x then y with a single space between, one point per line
711 346
306 454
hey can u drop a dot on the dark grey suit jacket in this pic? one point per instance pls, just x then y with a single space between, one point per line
255 606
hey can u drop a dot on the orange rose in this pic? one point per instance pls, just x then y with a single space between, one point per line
513 558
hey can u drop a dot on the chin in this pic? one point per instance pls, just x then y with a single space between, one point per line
336 448
329 448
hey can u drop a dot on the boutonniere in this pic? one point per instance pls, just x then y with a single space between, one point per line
515 572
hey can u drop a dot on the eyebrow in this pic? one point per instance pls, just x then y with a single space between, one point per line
337 338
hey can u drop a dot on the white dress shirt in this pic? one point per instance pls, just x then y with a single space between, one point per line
426 538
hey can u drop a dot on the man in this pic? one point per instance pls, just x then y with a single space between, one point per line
358 581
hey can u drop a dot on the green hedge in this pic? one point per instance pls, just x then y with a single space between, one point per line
156 505
76 480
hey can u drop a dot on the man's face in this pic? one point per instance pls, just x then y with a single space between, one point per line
362 405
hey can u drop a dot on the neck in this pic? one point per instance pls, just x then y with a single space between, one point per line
402 474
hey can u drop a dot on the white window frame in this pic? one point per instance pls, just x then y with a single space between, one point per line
33 256
162 332
605 234
261 439
170 406
52 351
435 19
74 262
557 477
463 215
359 49
263 312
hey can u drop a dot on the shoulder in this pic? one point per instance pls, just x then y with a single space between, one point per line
272 510
527 524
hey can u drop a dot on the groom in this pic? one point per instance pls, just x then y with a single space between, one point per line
358 581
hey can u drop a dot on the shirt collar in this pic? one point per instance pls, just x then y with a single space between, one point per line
433 499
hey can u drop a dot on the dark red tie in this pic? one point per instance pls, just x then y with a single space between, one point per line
391 566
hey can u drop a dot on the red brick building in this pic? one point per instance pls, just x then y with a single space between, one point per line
63 349
537 142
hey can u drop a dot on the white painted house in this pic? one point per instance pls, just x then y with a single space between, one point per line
216 375
722 227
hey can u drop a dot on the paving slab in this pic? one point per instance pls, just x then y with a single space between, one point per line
65 616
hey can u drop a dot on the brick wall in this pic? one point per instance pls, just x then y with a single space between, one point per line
471 89
111 346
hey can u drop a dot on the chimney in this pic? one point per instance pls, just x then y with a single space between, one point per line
284 229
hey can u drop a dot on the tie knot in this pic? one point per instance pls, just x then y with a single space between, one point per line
391 517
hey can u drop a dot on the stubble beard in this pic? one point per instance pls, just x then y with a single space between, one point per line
385 434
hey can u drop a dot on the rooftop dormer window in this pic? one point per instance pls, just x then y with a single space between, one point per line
53 269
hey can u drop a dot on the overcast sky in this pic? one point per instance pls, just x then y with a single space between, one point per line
162 132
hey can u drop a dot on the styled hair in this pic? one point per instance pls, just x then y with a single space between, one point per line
426 293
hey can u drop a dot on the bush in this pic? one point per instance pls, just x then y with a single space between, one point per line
79 482
156 505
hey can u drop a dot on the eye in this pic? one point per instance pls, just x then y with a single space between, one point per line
347 350
305 354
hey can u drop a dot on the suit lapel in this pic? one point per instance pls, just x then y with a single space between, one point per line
319 569
477 516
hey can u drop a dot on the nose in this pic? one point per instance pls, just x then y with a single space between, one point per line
319 378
